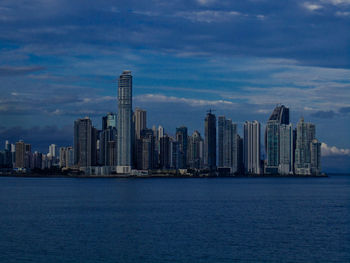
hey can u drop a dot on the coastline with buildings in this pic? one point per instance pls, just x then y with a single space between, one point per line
126 147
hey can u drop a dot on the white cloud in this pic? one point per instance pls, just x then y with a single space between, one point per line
336 2
343 14
190 102
312 6
205 2
333 151
208 16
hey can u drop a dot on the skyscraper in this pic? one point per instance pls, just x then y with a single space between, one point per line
85 140
110 120
108 141
272 147
160 132
305 135
196 155
66 157
315 149
181 138
280 114
239 149
52 150
20 154
164 153
147 152
251 147
210 140
227 132
174 157
108 147
221 128
124 119
140 121
63 157
286 149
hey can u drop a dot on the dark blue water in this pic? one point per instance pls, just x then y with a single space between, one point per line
175 220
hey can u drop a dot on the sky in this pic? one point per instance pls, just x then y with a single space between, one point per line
59 61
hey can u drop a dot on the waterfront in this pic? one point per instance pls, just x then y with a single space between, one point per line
175 220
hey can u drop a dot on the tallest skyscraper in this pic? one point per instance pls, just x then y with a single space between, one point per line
124 121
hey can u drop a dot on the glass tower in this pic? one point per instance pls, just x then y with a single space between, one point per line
210 140
124 119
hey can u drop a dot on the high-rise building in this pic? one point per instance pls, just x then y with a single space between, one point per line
181 138
13 154
195 151
160 132
306 133
210 141
52 150
164 153
227 132
124 121
140 121
286 149
7 156
85 143
239 147
221 128
63 157
69 157
315 149
110 120
279 115
20 154
272 147
108 147
139 124
251 147
147 149
175 153
7 145
37 160
28 156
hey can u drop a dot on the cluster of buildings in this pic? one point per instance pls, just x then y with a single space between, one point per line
125 145
19 157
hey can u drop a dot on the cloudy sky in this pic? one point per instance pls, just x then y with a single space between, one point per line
59 61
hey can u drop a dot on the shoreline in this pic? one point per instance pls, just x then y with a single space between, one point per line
162 176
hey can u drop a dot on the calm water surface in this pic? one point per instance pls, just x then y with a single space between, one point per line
175 220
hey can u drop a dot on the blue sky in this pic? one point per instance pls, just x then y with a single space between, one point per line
59 61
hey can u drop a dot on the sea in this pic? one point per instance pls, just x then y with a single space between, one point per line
175 219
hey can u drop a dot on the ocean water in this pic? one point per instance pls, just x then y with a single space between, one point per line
175 220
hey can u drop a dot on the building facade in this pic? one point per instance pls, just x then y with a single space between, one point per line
85 143
227 148
306 133
210 141
181 138
124 121
286 151
251 144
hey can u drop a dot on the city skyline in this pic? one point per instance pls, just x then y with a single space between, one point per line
221 128
126 146
60 61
